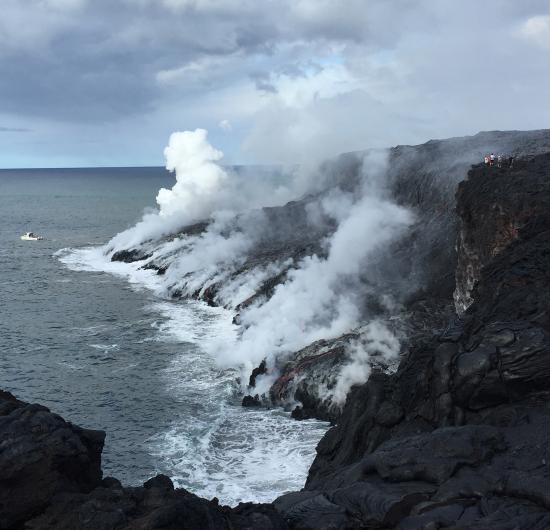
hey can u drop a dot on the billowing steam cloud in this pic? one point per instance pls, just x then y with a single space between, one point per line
323 296
203 188
199 178
197 193
376 341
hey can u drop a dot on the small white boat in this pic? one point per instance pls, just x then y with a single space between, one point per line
30 236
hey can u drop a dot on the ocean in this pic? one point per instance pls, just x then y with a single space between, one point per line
94 342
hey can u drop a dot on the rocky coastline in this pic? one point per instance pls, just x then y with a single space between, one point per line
433 260
51 478
419 270
454 436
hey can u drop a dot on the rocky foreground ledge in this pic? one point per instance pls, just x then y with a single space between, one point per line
51 478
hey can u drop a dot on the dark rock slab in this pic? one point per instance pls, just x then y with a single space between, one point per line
130 255
42 455
434 457
153 506
313 511
251 401
379 503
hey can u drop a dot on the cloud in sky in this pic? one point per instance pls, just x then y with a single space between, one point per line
225 125
537 30
14 129
107 82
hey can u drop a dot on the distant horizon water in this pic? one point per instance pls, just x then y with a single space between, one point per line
151 167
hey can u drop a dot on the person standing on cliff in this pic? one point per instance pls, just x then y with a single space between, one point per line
499 161
486 160
492 159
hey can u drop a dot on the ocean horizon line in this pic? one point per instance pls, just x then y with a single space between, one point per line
80 168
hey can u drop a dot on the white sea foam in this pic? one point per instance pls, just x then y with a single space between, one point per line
195 322
223 450
94 259
105 348
215 448
241 455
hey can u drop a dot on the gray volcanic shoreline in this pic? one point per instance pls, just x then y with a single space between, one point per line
416 270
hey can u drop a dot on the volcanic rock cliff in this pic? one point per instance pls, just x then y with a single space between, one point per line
439 257
457 437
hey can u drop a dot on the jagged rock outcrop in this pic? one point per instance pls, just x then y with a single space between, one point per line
51 479
456 438
309 377
41 455
419 269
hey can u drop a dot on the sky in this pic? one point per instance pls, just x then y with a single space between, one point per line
105 82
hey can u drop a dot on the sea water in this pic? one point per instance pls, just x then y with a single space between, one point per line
95 342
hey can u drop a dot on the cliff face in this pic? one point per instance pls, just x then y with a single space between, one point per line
41 456
439 255
456 437
487 228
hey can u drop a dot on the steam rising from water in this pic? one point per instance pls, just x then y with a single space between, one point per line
323 295
203 189
376 339
199 177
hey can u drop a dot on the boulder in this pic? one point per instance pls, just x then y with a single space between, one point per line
41 455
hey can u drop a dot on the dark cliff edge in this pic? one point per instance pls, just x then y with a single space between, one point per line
422 270
456 437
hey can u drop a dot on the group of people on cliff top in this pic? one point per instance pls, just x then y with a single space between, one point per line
499 160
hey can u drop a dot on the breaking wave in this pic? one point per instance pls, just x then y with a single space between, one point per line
214 447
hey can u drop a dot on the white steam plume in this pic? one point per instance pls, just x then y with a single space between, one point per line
322 298
198 176
202 188
376 341
197 193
